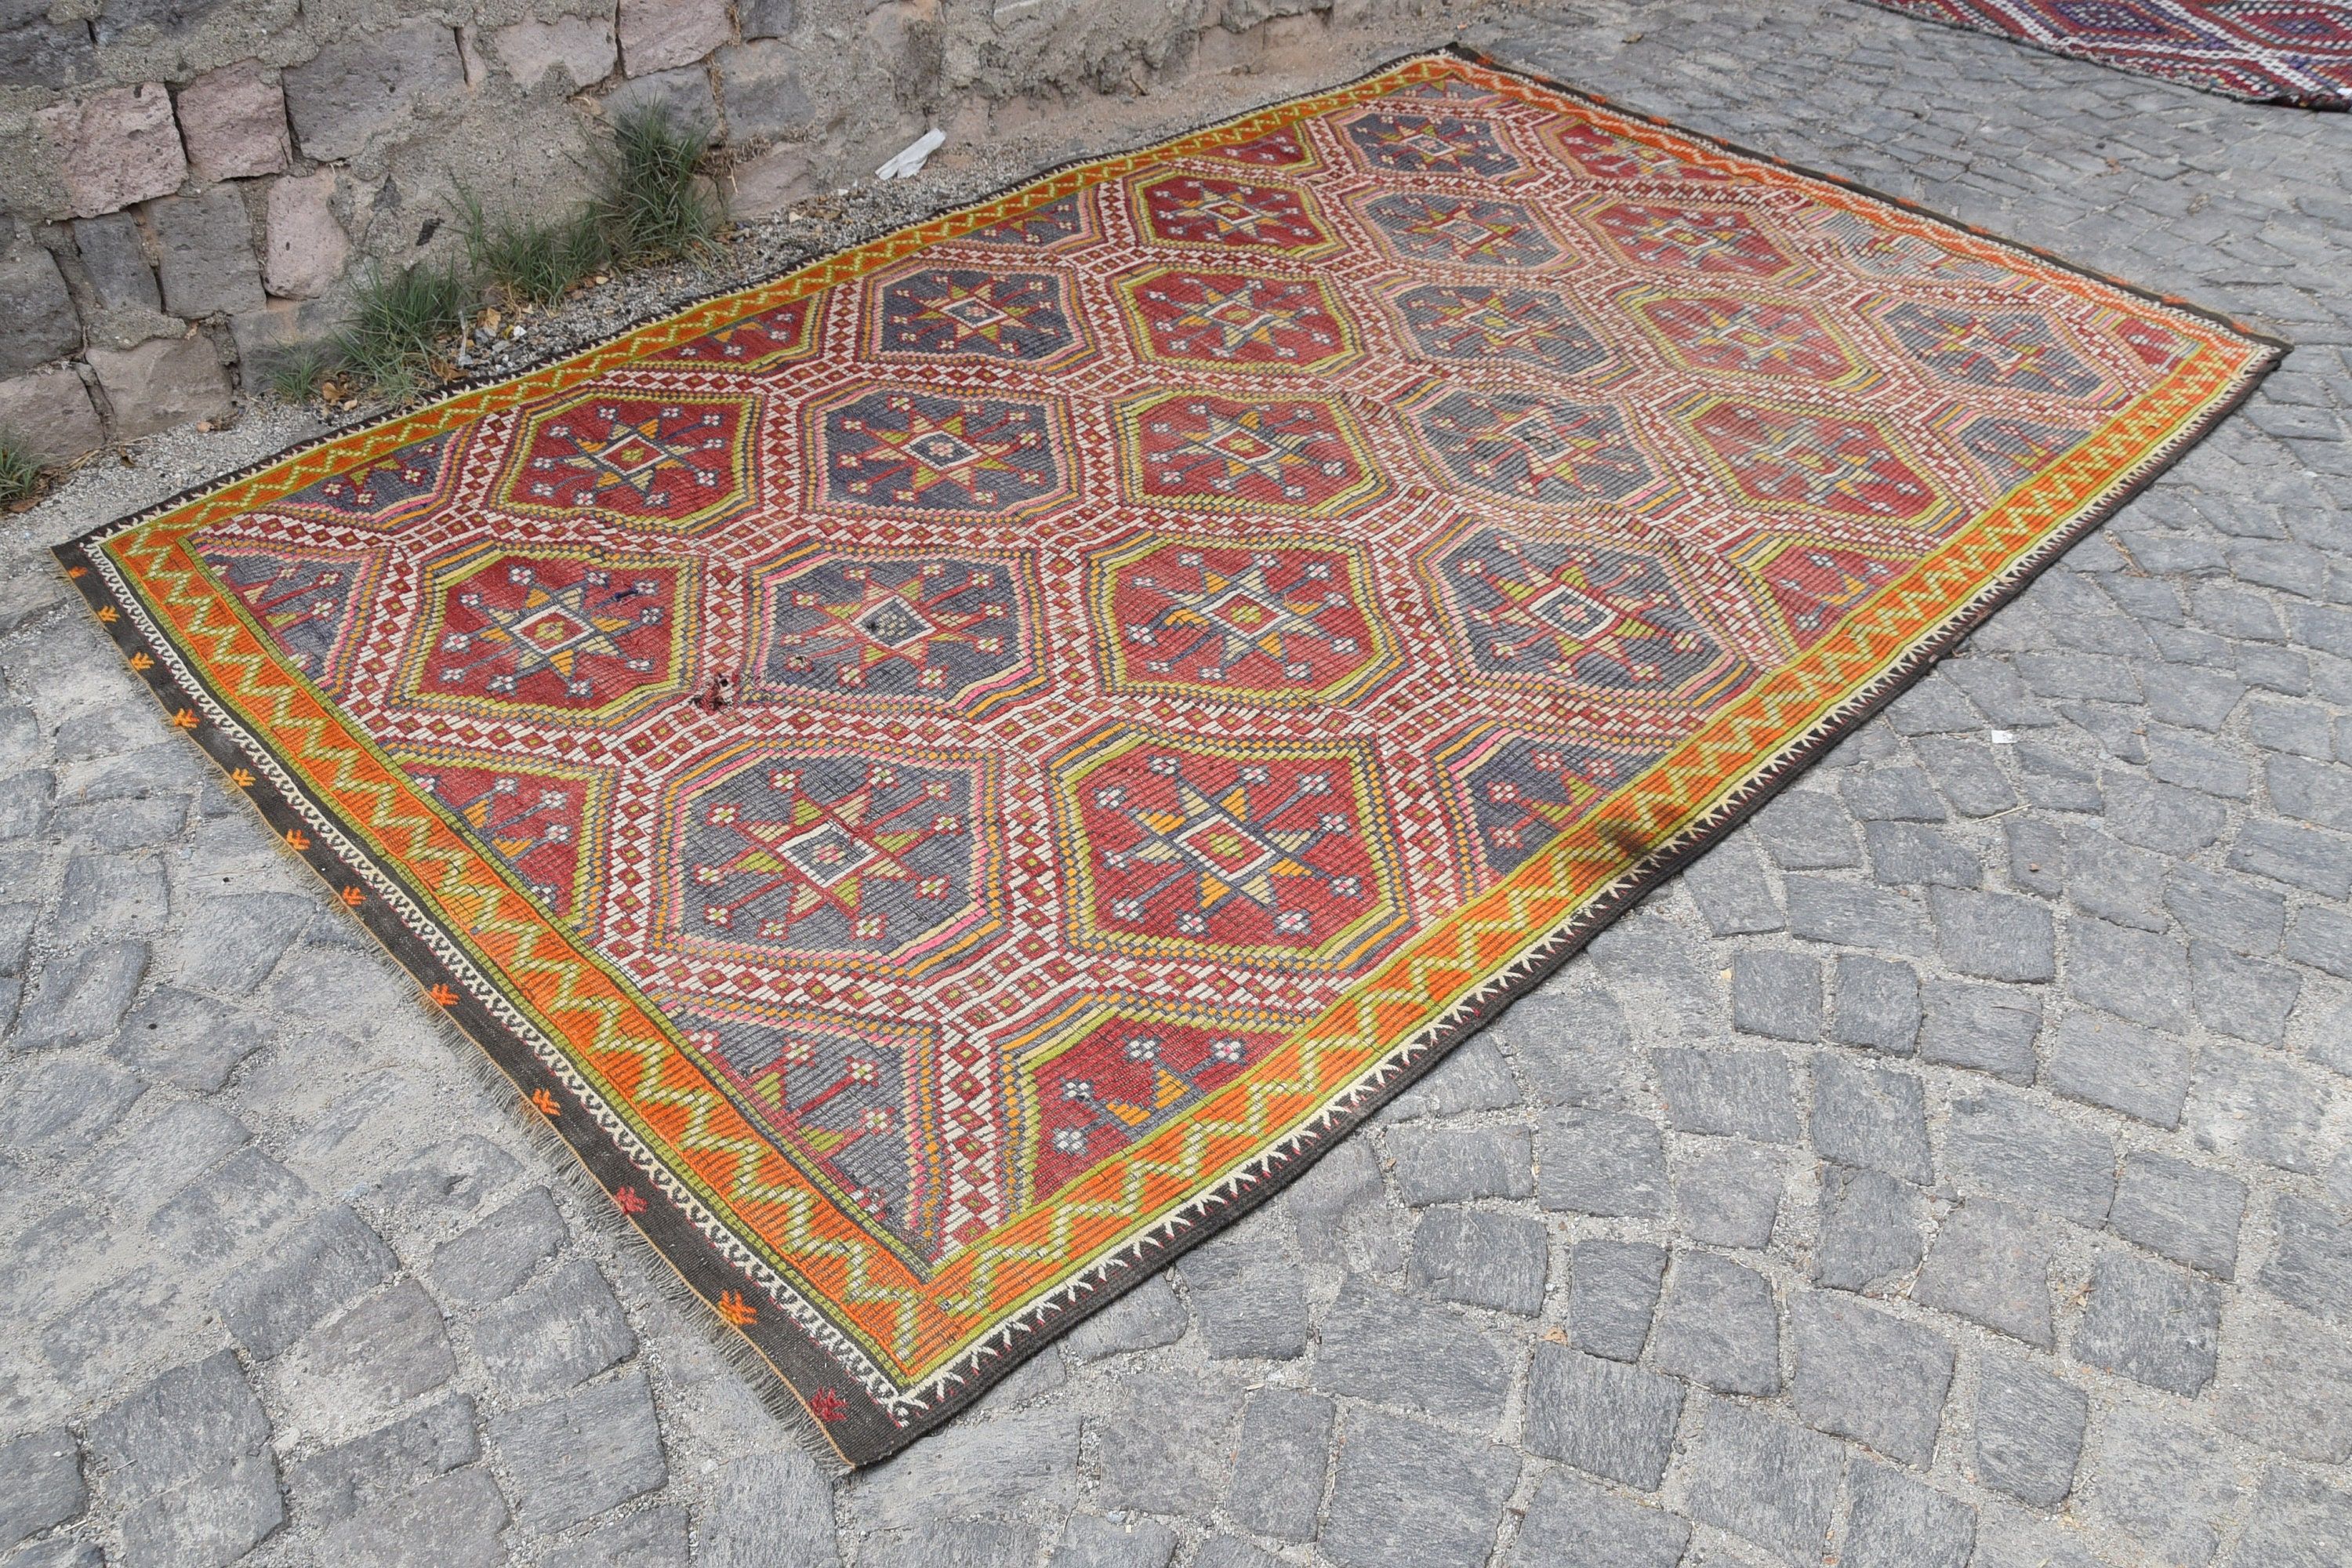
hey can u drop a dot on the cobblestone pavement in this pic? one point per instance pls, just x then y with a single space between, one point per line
1952 1168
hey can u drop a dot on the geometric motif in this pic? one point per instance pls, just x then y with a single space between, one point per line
895 630
1688 239
1393 142
1604 155
2012 448
1236 321
545 821
1727 334
1803 459
679 462
572 634
1280 148
1812 584
1459 231
1487 324
1878 251
1531 449
1269 853
1103 1073
1514 791
880 861
1602 619
937 453
757 342
1206 213
1047 227
839 1095
947 312
1277 620
1198 451
2012 351
383 491
2276 51
309 600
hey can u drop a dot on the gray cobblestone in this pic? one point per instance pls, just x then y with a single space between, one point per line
387 1464
1991 1264
2152 1323
489 1261
1863 1375
2310 1261
1612 1296
1807 830
1718 1326
655 1539
1601 1163
2029 1431
1894 1521
2185 1212
1245 1292
2298 1521
1878 1005
321 1267
2106 1061
1991 1028
1417 1355
2011 1147
2285 1382
1286 1439
1412 1495
1571 1524
1871 1117
1728 1194
1999 936
1732 891
1480 1259
573 1457
40 1483
554 1334
1455 1165
1604 1417
1766 1481
1869 1230
1736 1094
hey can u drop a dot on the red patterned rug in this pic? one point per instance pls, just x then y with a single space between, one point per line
947 776
2296 52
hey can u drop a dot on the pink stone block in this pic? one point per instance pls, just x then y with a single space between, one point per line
662 35
116 147
306 247
234 121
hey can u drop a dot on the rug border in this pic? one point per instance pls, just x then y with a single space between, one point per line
2339 103
695 1267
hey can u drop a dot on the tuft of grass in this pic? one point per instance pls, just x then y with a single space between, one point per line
649 203
20 471
398 319
297 376
531 262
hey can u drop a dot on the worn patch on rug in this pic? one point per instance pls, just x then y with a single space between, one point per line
947 776
2295 52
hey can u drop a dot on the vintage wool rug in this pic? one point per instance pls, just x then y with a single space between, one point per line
2295 52
947 776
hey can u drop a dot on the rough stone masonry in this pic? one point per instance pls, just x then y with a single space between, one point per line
193 187
1952 1169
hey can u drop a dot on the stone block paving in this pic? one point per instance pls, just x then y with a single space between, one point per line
1950 1169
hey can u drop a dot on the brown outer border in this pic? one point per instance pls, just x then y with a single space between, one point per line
787 1366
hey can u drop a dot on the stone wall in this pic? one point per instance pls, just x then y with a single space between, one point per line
193 186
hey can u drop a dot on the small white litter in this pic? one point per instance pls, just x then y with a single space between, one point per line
911 158
2003 737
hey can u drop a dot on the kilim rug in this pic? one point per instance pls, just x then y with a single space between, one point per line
2269 51
947 776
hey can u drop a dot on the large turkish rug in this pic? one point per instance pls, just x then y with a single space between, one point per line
947 776
2295 52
